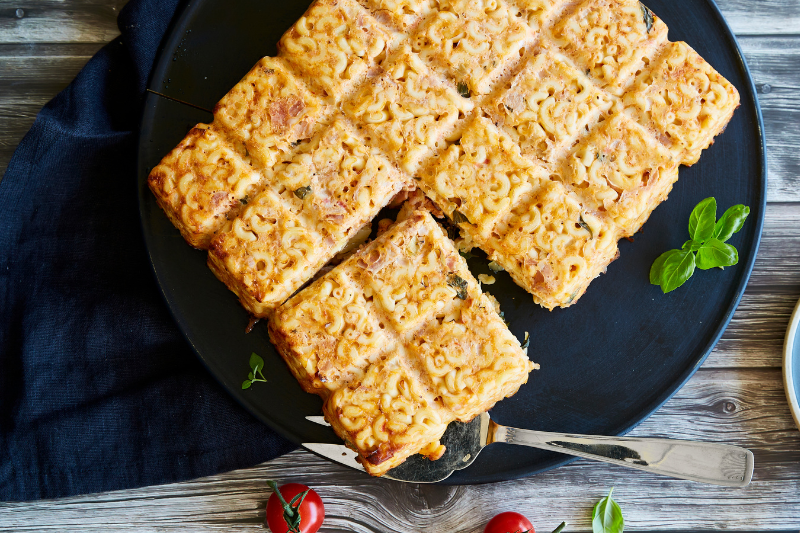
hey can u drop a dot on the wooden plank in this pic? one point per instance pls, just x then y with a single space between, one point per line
773 65
744 407
76 21
762 17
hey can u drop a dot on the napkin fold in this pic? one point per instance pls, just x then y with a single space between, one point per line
98 388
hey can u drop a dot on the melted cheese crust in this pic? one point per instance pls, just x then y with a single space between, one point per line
536 12
481 177
331 331
553 244
471 358
620 169
609 39
683 100
200 183
314 204
474 40
369 335
333 45
409 112
269 111
402 15
548 106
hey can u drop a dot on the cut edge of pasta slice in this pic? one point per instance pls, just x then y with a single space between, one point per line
402 15
683 101
202 183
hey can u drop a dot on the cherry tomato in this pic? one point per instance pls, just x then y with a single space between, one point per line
509 522
312 511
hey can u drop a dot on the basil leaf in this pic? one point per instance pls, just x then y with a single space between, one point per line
459 284
459 217
256 363
730 222
692 246
607 516
716 253
658 268
302 192
701 222
648 17
678 267
463 89
246 384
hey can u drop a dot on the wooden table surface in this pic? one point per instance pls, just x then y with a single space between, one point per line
737 396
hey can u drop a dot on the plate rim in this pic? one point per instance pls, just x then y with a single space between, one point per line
175 30
788 358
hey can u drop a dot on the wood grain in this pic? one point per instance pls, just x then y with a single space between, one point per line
744 407
737 396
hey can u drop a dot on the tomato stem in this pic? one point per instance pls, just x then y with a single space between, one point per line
560 527
291 512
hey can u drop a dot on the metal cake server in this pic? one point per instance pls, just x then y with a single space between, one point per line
705 462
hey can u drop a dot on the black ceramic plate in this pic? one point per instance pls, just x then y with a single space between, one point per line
606 364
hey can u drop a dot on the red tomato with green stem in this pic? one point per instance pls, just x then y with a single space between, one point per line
294 508
509 522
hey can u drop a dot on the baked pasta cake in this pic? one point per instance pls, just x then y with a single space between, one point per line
399 341
545 129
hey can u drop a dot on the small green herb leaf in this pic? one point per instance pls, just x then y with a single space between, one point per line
647 15
701 222
716 253
692 246
495 267
678 267
256 363
250 376
607 516
527 341
463 89
459 284
459 217
582 223
730 222
658 268
246 384
302 192
467 255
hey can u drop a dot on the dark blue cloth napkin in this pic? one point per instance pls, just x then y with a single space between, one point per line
98 389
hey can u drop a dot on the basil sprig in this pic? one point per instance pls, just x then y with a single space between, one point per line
705 249
607 516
